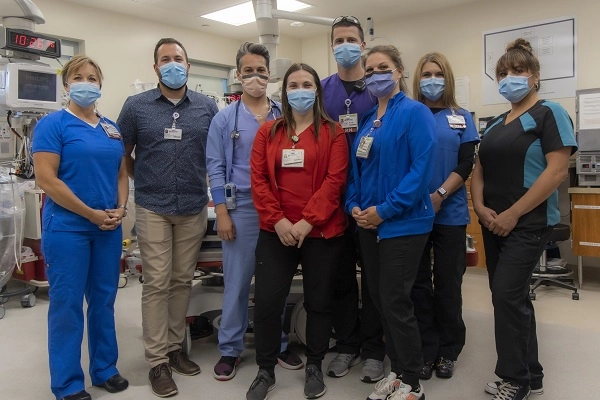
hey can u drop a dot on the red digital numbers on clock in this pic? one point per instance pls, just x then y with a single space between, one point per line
31 42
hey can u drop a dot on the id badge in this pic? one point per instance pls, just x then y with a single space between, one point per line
292 158
173 133
349 122
364 146
110 130
456 121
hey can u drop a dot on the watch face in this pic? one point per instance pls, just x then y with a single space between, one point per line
442 192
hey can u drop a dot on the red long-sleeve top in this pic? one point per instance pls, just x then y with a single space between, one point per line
313 192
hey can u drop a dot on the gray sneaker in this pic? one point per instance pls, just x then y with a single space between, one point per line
314 387
263 384
493 387
338 367
372 371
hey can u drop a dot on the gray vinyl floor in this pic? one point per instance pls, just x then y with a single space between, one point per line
568 330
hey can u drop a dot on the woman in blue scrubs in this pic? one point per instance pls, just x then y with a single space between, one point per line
79 163
437 293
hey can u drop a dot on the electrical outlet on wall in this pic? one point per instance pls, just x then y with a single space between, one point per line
4 130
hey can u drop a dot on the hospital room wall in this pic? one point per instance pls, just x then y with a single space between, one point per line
457 33
124 46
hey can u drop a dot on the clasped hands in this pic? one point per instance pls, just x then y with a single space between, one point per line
368 218
108 220
499 224
292 234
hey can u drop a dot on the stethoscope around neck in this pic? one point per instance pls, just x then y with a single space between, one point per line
235 133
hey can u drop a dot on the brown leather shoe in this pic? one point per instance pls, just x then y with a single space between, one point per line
161 381
180 362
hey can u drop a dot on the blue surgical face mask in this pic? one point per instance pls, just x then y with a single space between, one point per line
432 88
514 88
173 75
84 94
347 54
380 83
301 100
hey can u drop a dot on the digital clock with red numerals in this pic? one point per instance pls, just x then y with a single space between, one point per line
30 42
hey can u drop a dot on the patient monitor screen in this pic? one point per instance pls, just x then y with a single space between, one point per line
36 86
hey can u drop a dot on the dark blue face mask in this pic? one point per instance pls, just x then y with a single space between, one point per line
173 75
380 83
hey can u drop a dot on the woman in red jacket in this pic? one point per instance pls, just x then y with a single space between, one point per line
298 173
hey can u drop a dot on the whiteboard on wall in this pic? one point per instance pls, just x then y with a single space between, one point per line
554 44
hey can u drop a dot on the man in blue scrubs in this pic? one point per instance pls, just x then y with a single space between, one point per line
230 139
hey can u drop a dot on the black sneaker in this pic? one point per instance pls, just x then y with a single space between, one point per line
263 384
83 395
511 391
289 360
314 387
444 368
427 372
226 367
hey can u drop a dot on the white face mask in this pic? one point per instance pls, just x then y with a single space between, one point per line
255 84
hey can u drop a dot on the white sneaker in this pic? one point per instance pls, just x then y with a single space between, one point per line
385 387
492 387
406 392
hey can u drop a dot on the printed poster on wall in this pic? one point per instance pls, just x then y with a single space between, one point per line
554 44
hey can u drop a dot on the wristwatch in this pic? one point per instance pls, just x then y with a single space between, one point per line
124 207
442 192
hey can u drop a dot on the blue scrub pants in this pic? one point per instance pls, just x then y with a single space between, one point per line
81 264
238 268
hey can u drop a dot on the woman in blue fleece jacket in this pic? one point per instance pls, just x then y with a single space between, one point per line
388 197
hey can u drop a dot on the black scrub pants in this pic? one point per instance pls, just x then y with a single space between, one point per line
354 329
276 265
510 262
391 266
437 293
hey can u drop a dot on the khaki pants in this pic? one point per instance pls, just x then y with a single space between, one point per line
169 247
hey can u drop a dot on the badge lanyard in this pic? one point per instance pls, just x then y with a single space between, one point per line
349 121
365 143
173 133
456 121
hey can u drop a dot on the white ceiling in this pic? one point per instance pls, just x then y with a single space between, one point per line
186 13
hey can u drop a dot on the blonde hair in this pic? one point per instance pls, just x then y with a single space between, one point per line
448 98
75 63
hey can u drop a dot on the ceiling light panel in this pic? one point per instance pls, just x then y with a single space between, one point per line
244 13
